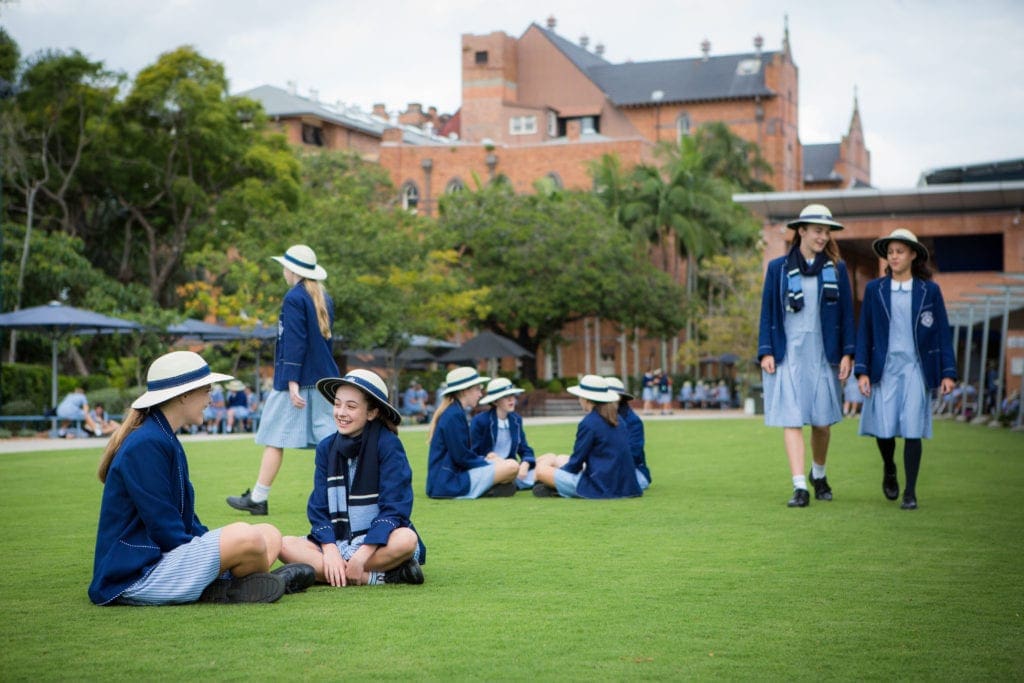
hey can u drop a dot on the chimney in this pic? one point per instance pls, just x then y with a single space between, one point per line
379 109
293 87
584 41
758 44
599 49
552 22
705 48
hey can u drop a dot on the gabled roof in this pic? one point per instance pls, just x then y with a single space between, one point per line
820 162
725 77
279 102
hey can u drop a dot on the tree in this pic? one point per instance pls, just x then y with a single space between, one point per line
730 157
550 259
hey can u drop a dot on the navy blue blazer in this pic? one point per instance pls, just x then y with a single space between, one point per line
610 471
837 327
932 335
636 438
483 432
148 509
450 457
302 354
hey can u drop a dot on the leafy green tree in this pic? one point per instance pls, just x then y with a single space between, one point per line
730 157
550 259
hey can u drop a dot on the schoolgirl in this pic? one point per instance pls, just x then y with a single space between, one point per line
806 330
635 426
453 469
360 508
498 434
904 351
601 464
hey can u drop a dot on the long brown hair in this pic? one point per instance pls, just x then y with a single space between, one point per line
446 401
316 292
132 421
609 412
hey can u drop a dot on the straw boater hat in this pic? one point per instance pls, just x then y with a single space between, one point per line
594 388
236 385
616 385
462 378
817 214
370 383
881 245
301 260
499 387
174 374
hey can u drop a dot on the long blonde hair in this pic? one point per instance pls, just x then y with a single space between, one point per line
132 421
609 412
446 401
316 292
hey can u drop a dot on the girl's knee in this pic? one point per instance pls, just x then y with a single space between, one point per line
404 540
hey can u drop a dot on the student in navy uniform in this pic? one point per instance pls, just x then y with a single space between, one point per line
806 331
293 415
904 351
361 504
151 548
601 464
453 469
497 434
636 431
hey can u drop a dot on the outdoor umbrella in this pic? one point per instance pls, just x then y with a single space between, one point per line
485 345
212 332
57 320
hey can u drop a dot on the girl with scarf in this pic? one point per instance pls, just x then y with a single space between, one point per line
359 510
497 434
904 351
806 331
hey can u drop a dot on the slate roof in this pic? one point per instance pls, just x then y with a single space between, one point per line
681 80
820 162
279 102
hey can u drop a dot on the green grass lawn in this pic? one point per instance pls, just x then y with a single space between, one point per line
709 575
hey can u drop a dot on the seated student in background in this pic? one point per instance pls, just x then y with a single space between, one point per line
453 469
686 395
636 431
723 398
237 404
215 412
75 408
359 511
601 464
415 403
101 419
700 395
151 548
497 434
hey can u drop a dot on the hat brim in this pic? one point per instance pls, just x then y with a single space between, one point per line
510 391
610 396
328 388
796 223
881 247
463 387
623 393
317 272
154 398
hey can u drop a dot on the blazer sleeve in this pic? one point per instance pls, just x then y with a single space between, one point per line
525 451
148 480
293 334
769 302
585 439
480 434
317 510
865 333
455 433
395 492
945 337
848 334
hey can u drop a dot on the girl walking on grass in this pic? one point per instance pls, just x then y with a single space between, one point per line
904 352
806 331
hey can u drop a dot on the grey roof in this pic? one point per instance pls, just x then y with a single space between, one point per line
279 102
578 55
820 162
1010 169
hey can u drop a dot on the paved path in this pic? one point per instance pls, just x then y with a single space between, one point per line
21 445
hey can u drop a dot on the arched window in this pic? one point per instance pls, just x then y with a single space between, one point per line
682 125
410 196
455 185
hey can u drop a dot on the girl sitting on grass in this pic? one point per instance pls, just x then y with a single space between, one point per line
497 434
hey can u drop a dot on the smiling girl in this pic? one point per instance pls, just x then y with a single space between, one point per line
904 351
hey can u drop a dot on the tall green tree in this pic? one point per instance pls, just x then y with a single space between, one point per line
731 158
550 259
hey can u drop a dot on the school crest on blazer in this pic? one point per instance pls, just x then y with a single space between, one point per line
927 319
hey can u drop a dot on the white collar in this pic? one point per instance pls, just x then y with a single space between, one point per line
902 286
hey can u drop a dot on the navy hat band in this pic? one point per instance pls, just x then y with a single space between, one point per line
301 264
178 380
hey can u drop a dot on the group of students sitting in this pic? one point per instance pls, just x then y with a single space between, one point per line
234 411
703 395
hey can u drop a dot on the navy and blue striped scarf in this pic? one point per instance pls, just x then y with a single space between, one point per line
364 489
797 266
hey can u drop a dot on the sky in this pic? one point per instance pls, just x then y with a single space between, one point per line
939 82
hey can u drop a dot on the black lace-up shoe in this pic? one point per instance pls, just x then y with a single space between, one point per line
245 502
801 499
501 490
544 491
909 502
297 577
260 587
407 572
890 485
822 491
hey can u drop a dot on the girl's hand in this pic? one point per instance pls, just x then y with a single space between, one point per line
946 386
524 469
334 566
768 364
295 396
864 384
845 365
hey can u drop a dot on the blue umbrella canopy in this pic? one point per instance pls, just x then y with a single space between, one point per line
484 346
57 320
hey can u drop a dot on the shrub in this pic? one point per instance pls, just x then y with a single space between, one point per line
114 400
555 386
28 383
19 406
5 433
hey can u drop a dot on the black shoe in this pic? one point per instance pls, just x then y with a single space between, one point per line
801 499
890 485
260 587
245 502
822 491
909 502
297 577
501 490
407 572
544 491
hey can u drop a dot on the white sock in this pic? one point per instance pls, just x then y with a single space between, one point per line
376 579
817 471
259 493
800 482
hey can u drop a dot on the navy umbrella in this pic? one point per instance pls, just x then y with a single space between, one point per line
485 345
